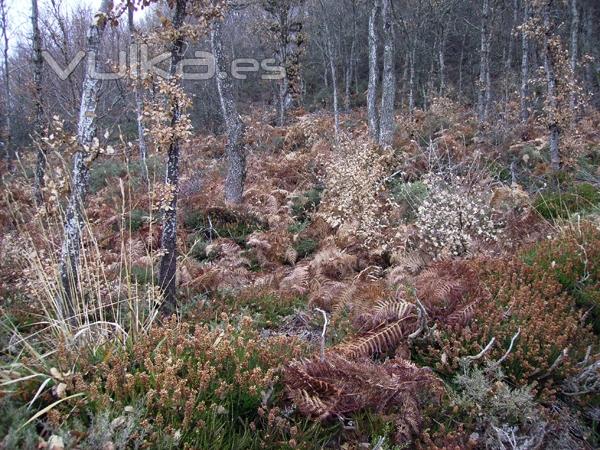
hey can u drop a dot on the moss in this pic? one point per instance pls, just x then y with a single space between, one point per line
267 310
578 198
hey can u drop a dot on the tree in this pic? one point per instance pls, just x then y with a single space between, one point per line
574 53
236 157
288 28
373 72
524 93
388 94
550 55
86 134
484 94
38 67
329 50
139 100
168 263
7 91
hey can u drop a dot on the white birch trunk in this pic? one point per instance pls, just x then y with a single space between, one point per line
86 132
8 147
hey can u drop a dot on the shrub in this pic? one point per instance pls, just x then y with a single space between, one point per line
489 405
560 205
303 206
221 223
505 300
572 259
355 196
453 216
136 219
411 195
198 387
305 247
142 275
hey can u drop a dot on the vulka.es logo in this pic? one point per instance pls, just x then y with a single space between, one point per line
139 63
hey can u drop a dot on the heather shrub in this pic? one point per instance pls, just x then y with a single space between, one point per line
192 386
572 260
506 301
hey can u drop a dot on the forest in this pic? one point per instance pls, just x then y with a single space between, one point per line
299 224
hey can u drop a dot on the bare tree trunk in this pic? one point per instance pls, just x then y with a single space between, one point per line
442 61
168 263
574 55
551 100
350 69
388 94
509 55
336 109
484 75
373 73
290 23
236 157
38 65
525 65
460 66
442 72
139 100
8 148
332 67
411 92
86 132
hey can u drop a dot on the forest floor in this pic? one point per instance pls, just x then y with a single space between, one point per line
444 293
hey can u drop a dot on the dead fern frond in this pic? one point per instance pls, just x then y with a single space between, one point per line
463 316
296 281
386 311
350 386
382 340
